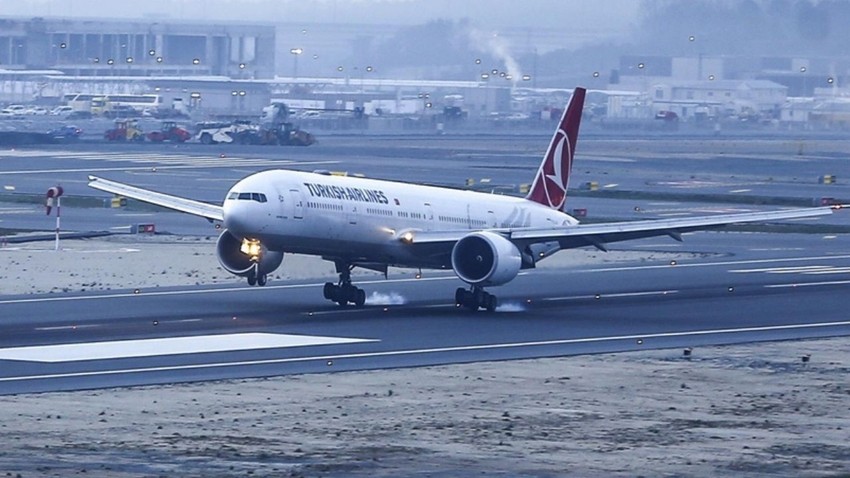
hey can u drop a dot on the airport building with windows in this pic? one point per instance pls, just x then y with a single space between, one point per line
143 48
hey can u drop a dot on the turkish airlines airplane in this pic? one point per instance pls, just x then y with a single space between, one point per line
486 239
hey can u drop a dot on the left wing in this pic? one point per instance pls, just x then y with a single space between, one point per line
189 206
598 235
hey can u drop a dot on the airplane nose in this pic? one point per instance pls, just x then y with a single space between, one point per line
238 219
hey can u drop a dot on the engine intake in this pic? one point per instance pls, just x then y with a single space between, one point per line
232 257
485 258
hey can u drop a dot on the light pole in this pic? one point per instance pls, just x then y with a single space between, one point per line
803 72
642 67
692 39
296 52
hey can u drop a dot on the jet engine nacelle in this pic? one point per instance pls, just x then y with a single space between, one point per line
485 258
229 250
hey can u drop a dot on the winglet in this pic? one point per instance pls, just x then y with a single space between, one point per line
550 185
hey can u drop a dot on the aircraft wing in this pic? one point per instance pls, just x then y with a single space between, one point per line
598 235
189 206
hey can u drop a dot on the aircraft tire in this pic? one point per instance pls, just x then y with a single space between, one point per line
460 296
359 298
261 280
330 291
491 302
252 279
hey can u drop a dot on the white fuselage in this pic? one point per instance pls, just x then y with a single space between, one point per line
362 220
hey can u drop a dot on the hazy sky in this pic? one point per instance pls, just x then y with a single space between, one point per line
604 15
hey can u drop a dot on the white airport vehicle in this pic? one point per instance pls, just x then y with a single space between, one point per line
17 109
36 111
62 110
485 239
214 132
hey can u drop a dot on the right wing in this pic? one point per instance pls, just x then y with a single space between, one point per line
189 206
598 235
603 233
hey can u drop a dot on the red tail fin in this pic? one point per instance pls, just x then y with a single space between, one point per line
550 185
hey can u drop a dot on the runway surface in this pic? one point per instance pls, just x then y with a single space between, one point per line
738 292
739 287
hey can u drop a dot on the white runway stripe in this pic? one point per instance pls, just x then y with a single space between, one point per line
120 349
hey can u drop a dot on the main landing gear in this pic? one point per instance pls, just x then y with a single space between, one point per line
344 292
476 298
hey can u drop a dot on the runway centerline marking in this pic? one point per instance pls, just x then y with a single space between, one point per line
392 353
613 295
122 349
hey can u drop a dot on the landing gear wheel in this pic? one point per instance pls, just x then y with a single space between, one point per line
460 296
261 280
344 292
252 279
329 291
491 302
476 298
359 297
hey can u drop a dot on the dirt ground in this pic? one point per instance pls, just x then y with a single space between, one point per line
749 410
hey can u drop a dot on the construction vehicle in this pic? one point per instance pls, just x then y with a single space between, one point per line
169 131
281 134
275 129
125 130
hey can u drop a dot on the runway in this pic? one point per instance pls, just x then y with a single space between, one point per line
736 293
734 287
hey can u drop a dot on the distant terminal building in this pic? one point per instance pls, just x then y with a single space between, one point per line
137 48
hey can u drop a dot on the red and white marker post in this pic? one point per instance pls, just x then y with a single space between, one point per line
54 194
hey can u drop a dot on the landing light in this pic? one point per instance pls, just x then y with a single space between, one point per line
251 248
407 237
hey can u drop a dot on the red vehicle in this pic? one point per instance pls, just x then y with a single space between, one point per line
169 132
125 130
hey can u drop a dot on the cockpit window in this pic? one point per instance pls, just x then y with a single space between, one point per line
259 197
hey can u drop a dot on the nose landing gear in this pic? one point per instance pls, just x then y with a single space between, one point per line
257 279
344 292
